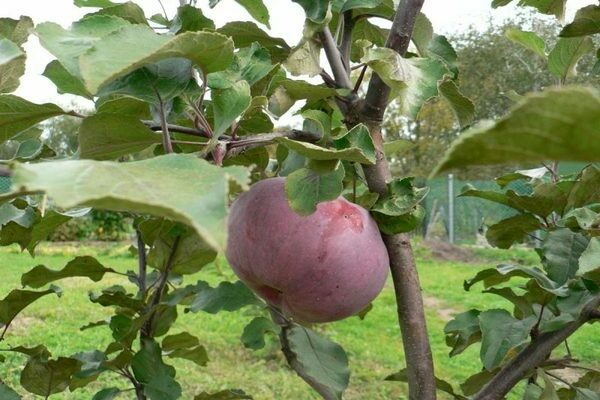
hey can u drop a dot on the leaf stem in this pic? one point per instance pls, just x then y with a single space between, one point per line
164 126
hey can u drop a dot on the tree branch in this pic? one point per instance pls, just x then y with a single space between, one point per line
249 142
532 356
346 44
167 145
411 314
164 276
141 248
342 78
176 128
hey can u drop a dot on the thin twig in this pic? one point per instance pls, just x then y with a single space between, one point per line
346 44
342 79
164 126
141 248
360 79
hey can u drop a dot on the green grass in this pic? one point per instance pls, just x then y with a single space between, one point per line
373 345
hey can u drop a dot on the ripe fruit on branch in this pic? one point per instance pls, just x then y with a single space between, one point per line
317 268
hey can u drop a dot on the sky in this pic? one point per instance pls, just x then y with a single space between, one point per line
287 19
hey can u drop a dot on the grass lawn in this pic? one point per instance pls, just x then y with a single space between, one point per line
373 345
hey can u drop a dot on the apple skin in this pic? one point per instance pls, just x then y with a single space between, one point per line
317 268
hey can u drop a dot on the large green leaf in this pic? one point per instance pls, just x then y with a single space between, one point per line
157 378
304 59
257 9
109 136
502 336
512 230
17 115
413 80
228 104
440 384
463 108
586 22
191 19
251 64
399 209
129 11
306 188
555 7
84 266
245 33
137 45
289 91
463 331
154 83
253 336
227 296
181 187
529 40
17 300
316 10
186 346
563 59
13 34
557 124
64 81
67 45
562 249
590 258
320 359
46 377
314 152
9 50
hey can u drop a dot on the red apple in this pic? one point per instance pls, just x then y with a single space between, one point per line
317 268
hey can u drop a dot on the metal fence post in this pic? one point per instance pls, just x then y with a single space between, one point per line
451 208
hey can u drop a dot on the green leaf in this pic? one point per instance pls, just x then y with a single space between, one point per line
316 10
228 104
503 273
399 210
245 33
16 32
354 4
134 46
180 187
6 393
85 266
17 300
422 34
555 7
463 331
257 9
563 59
529 40
186 346
441 49
191 255
116 296
9 50
157 378
397 147
94 3
69 45
590 258
586 22
191 19
227 296
320 359
289 91
586 190
304 59
110 136
306 188
502 336
153 83
233 394
253 336
314 152
557 124
463 107
512 230
124 105
562 249
64 81
107 394
252 64
358 138
17 115
46 377
129 11
413 80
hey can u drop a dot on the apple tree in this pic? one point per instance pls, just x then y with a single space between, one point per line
184 123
